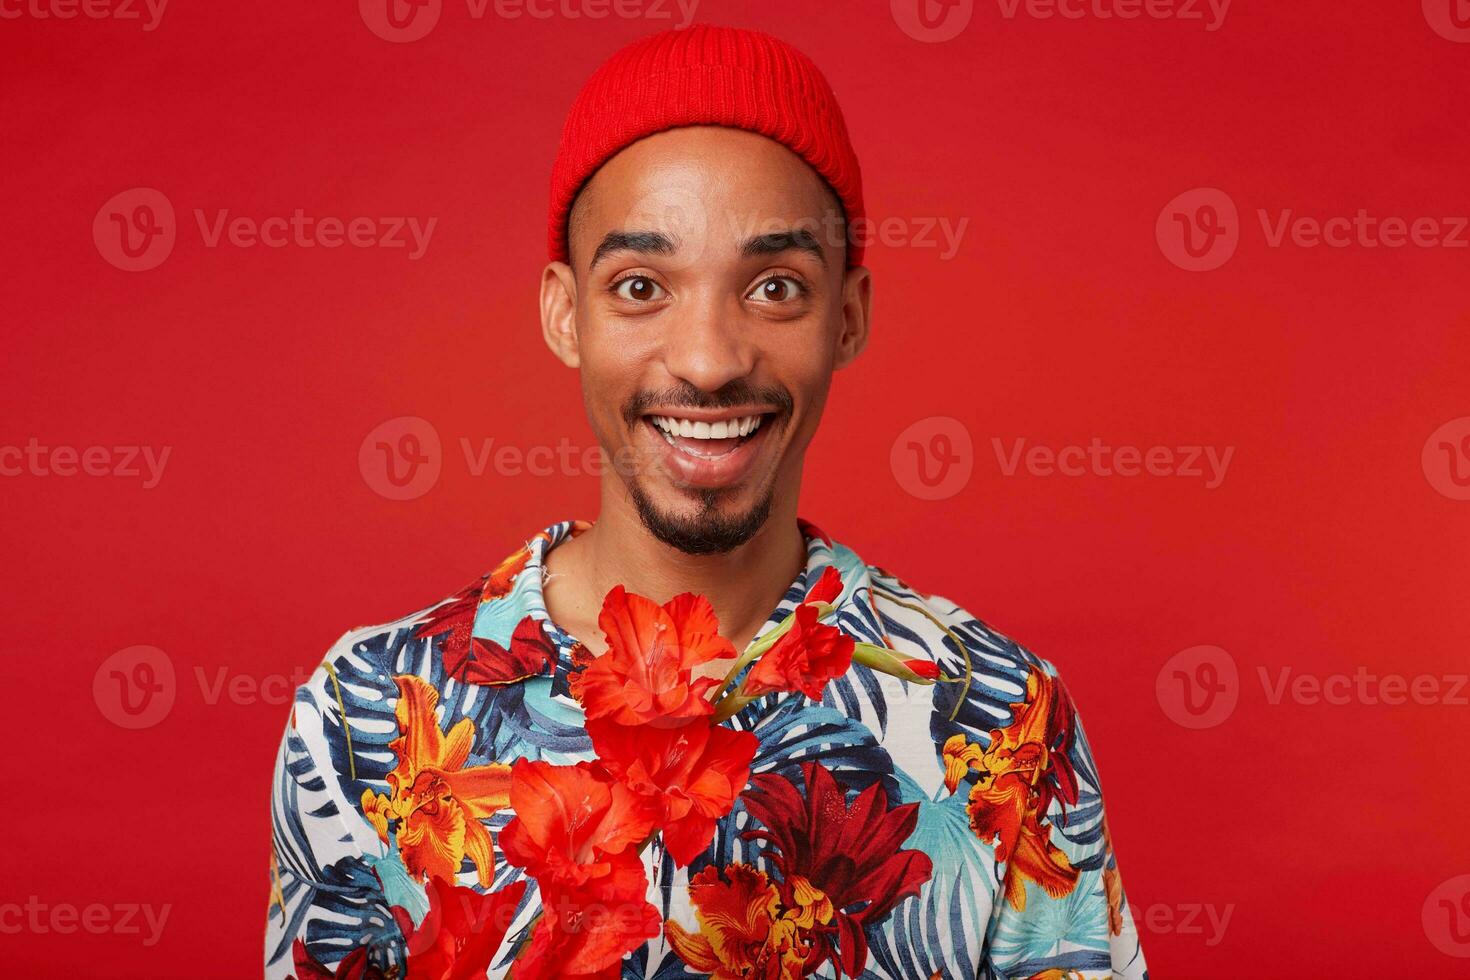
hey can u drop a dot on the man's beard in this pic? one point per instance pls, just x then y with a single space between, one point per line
707 532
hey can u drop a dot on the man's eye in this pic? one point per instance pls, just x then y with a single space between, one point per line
776 289
639 289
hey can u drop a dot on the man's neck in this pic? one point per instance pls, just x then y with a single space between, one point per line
744 585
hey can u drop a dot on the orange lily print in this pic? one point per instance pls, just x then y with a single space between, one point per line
437 802
743 931
1023 769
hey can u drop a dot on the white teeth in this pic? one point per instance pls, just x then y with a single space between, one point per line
723 429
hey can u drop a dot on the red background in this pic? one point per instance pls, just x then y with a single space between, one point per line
1326 548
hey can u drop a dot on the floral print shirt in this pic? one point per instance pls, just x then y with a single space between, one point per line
891 829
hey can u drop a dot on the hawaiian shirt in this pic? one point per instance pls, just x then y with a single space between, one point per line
891 830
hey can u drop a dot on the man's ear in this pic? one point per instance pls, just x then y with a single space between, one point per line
857 301
559 313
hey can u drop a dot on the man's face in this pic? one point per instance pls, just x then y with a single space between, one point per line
707 305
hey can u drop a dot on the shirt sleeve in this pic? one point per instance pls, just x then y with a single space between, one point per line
326 901
1060 910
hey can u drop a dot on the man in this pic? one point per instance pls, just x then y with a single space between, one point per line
696 737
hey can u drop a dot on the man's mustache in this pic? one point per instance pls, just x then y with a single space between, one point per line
732 395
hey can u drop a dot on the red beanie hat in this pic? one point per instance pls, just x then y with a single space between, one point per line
702 75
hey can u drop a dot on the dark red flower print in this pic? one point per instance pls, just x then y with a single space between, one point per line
486 662
842 862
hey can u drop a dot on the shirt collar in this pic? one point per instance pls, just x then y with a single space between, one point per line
514 591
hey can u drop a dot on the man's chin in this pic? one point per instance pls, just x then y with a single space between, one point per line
710 524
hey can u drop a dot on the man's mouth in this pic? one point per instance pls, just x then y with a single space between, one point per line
710 449
708 439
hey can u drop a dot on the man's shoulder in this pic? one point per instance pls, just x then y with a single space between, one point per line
932 625
372 654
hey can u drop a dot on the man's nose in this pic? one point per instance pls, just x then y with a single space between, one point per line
708 348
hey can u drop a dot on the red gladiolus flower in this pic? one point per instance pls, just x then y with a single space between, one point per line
458 938
924 668
828 587
646 674
804 659
584 933
576 831
570 820
691 775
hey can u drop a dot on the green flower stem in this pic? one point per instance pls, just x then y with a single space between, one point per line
883 660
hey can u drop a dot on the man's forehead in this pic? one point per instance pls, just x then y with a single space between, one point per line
704 183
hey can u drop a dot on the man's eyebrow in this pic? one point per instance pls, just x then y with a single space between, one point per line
781 241
650 242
